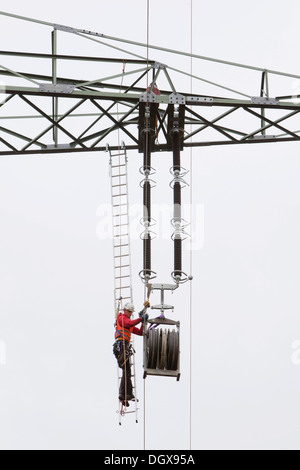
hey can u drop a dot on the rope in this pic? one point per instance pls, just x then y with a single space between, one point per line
191 202
145 293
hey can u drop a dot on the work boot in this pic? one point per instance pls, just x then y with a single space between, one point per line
131 397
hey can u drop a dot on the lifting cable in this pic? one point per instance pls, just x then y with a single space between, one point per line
146 170
147 190
191 215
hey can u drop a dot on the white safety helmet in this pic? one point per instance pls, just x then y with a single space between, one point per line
129 306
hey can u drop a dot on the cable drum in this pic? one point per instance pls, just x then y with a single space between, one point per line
173 350
162 351
153 349
171 347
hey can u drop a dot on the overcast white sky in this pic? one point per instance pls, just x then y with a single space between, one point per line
58 387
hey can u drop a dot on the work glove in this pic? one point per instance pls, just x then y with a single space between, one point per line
146 305
145 317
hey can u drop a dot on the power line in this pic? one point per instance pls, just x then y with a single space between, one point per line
148 46
191 258
145 294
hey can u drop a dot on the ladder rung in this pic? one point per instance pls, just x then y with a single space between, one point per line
119 205
120 215
123 287
119 195
124 266
118 175
119 153
121 256
122 277
121 246
120 225
118 185
122 235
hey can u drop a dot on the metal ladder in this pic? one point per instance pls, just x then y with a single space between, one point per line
121 250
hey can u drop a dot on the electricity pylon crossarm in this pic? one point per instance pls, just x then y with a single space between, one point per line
84 114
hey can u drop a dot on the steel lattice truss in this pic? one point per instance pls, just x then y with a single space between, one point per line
82 114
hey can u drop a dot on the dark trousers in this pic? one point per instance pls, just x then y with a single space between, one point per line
123 358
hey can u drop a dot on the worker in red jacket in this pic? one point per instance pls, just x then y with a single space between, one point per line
122 348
